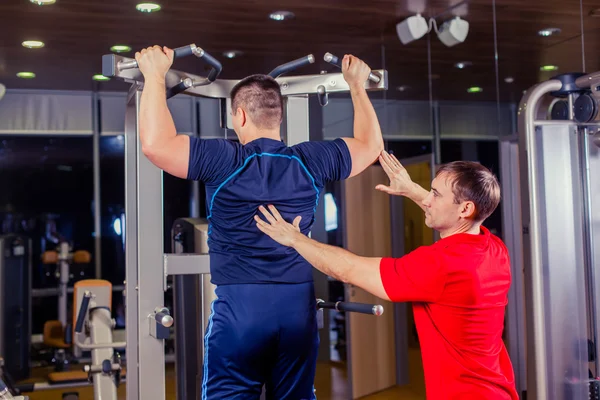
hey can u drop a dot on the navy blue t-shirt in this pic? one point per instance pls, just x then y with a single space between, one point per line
239 178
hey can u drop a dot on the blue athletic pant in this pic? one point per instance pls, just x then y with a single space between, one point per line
261 334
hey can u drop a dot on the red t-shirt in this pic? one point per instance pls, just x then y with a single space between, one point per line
459 286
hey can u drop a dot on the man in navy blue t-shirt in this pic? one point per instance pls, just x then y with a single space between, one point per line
262 328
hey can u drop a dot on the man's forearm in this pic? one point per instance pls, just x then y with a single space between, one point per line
331 260
417 194
366 124
156 122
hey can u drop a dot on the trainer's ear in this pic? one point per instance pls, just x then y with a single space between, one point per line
468 210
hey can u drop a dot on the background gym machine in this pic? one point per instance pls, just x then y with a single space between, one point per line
15 306
147 267
559 163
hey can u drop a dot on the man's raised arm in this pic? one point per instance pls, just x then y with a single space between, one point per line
367 142
158 135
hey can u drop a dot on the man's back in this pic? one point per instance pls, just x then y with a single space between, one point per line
238 179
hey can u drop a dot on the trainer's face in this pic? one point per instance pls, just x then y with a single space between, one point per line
441 211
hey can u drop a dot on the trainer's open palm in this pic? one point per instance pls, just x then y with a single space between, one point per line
277 228
400 182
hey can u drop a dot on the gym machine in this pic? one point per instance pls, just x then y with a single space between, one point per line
15 304
558 125
93 332
147 266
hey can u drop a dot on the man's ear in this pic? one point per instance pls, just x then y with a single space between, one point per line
468 210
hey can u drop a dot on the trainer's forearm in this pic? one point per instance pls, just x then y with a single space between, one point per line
417 194
366 124
156 122
331 260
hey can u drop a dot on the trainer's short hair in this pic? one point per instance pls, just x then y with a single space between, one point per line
260 96
471 181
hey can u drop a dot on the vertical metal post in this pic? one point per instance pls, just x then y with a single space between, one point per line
532 237
511 230
297 120
97 208
588 240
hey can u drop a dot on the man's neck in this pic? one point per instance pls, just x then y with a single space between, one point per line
465 227
262 134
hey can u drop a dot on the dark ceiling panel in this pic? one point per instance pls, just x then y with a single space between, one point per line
78 33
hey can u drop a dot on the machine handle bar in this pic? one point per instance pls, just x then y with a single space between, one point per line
374 309
85 302
292 65
331 59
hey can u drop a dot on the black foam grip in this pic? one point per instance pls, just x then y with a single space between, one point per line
292 65
217 67
180 87
183 51
349 307
335 61
82 311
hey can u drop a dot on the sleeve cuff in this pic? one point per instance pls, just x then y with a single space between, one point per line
389 277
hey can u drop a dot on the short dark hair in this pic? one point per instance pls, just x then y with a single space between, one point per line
260 96
471 181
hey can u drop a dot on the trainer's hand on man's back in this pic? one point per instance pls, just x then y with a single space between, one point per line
154 62
355 71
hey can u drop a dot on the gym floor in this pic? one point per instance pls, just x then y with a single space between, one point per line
331 384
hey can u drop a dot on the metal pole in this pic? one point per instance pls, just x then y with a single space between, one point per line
97 208
531 221
588 245
131 245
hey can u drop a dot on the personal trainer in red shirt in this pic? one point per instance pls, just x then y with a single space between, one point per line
458 286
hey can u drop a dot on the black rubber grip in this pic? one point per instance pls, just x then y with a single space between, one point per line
292 65
349 307
180 87
85 302
217 67
184 51
331 59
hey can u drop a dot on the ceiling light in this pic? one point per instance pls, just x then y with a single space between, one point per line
148 7
100 77
549 68
26 75
281 15
549 32
120 48
474 89
463 64
33 44
453 32
509 79
232 53
412 28
402 88
43 2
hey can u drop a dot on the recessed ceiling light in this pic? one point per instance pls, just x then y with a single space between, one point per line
548 68
549 32
474 89
232 53
403 88
509 79
33 44
463 64
120 48
148 7
281 15
26 75
100 77
43 2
